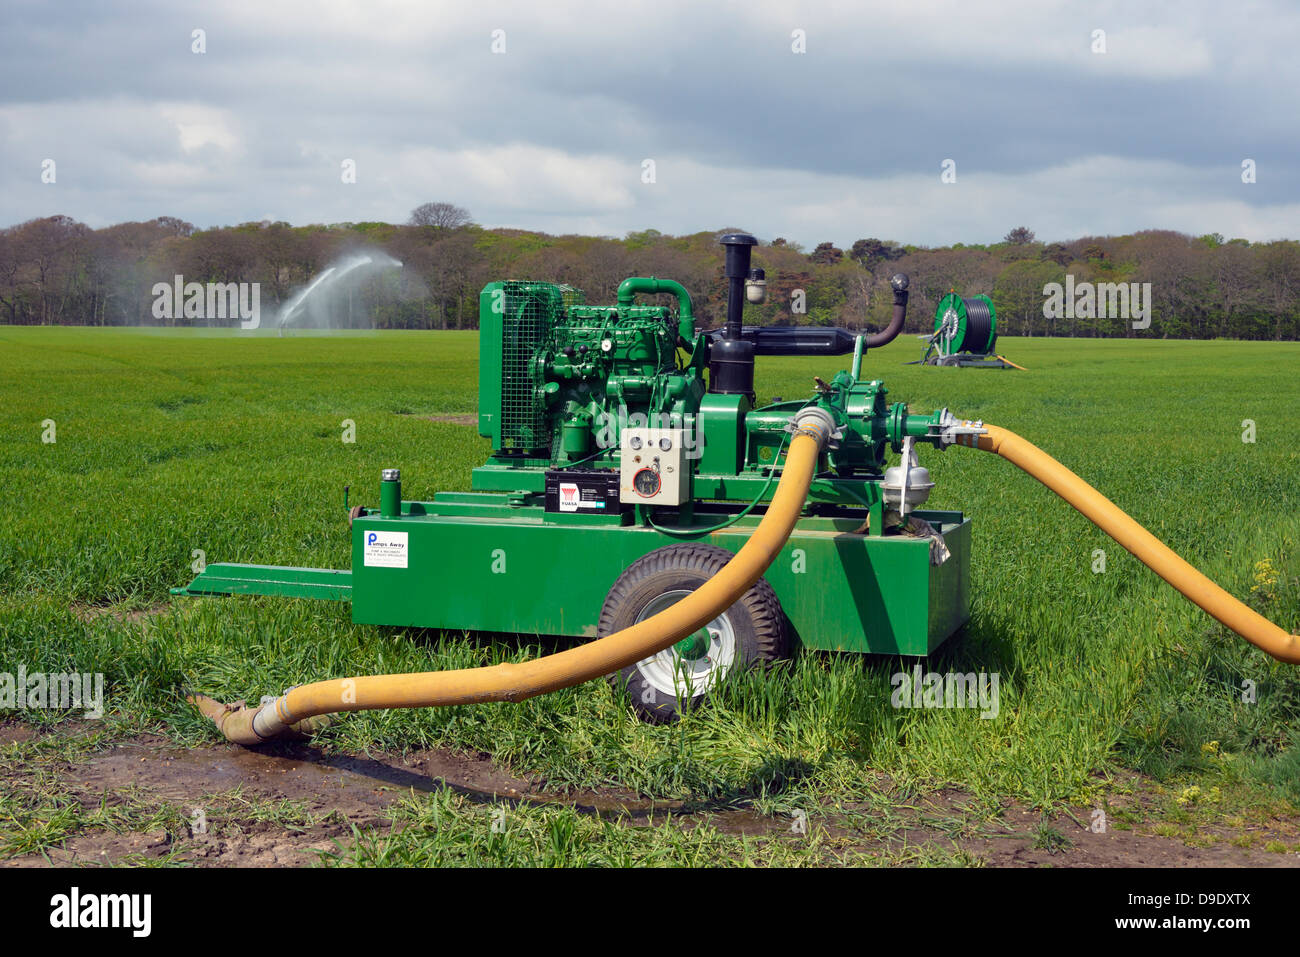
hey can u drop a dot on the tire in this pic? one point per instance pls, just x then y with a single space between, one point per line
750 633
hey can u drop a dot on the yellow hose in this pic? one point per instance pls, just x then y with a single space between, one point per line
1155 554
1012 364
293 710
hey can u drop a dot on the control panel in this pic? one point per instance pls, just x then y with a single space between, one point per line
652 468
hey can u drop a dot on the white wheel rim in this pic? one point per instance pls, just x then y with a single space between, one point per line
671 674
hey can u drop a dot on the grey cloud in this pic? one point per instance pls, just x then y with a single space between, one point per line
867 115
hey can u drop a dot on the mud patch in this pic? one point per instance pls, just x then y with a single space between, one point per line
14 732
1111 848
131 615
284 804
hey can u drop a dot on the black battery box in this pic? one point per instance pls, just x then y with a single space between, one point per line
582 490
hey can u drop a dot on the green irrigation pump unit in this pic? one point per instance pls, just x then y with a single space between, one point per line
965 333
628 464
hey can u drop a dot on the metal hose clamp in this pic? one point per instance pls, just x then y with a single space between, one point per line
815 422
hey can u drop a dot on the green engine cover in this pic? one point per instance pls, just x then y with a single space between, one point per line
558 379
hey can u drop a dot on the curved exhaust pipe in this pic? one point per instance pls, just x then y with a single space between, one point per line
817 340
297 709
899 283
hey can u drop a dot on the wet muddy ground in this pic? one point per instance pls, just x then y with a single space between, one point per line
332 793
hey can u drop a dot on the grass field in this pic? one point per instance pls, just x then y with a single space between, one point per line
168 442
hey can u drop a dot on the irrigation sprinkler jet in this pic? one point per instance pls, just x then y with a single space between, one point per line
296 301
329 280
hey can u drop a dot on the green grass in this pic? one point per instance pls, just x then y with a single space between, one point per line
447 830
171 442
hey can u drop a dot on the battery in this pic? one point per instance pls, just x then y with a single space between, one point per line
582 490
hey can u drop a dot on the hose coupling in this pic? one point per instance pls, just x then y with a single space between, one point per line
952 430
267 722
816 422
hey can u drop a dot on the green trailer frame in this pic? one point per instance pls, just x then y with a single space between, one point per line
474 561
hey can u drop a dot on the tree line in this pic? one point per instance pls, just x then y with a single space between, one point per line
56 270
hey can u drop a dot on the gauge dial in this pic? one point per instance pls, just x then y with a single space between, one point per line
665 443
646 482
634 442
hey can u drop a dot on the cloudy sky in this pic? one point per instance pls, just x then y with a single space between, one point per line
552 129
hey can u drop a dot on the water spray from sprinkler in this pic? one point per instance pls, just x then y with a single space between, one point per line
328 281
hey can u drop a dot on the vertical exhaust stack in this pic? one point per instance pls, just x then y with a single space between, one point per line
731 358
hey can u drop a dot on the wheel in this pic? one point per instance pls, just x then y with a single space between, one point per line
751 632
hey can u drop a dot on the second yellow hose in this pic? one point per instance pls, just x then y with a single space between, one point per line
1155 554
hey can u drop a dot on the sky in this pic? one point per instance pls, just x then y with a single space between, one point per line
809 120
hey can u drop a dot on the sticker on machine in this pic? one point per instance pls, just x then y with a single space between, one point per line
569 497
385 549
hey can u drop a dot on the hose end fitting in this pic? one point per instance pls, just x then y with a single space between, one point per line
253 726
816 422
